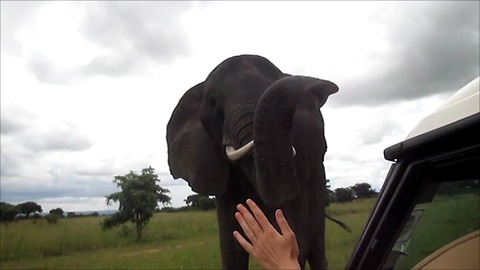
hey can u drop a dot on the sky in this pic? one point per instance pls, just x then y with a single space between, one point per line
87 88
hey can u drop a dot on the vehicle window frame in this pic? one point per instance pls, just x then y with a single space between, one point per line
418 162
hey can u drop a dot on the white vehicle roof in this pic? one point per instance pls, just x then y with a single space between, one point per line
463 103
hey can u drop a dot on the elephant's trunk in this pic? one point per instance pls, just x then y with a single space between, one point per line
238 134
276 176
241 122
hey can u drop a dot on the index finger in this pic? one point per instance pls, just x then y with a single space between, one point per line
259 216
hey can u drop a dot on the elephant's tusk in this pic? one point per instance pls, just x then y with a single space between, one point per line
294 151
233 154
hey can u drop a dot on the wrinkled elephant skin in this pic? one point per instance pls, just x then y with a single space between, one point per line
244 99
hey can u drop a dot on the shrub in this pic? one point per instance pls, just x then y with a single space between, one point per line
52 218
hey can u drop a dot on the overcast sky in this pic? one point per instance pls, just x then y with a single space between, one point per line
87 88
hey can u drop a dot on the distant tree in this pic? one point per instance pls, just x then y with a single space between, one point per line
138 198
363 190
167 209
52 218
344 194
330 195
200 202
71 214
57 211
7 212
459 187
331 198
28 208
192 200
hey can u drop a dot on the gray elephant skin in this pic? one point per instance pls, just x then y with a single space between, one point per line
247 101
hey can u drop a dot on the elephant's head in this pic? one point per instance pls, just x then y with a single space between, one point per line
213 126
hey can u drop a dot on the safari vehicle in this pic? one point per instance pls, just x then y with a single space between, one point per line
427 215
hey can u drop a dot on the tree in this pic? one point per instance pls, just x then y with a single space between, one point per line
7 212
52 218
330 195
459 187
138 199
331 198
201 202
344 194
57 211
28 208
363 190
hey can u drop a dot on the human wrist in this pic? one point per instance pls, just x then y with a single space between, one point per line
291 265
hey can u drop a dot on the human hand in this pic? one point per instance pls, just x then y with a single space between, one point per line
270 248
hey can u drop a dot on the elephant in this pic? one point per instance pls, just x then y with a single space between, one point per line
251 131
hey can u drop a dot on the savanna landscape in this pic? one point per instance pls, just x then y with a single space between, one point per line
180 240
189 239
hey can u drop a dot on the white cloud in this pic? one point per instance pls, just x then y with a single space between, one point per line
75 204
88 88
357 136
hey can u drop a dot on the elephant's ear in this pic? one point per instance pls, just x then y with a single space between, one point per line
191 152
290 96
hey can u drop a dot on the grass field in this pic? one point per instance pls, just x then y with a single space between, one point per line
183 240
446 219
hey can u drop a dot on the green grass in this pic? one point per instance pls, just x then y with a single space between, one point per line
340 243
444 220
183 240
357 207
